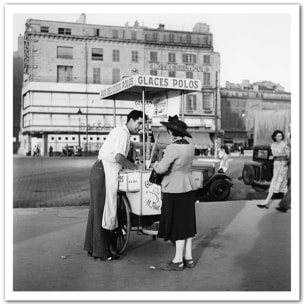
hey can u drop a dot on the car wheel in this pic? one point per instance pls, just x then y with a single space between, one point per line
248 175
220 190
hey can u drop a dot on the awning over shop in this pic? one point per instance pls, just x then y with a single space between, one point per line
201 140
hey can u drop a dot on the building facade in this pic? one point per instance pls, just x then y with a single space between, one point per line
66 65
242 103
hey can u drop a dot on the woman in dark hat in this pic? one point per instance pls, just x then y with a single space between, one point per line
177 221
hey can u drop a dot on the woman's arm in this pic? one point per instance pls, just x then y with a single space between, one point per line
169 157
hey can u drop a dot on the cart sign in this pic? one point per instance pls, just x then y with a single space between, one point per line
152 82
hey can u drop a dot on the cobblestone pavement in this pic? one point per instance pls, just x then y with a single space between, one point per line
51 181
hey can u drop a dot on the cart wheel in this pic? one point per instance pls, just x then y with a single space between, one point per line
124 223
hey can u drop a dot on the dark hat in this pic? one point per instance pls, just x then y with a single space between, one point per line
177 125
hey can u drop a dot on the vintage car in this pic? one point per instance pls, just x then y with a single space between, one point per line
216 186
258 172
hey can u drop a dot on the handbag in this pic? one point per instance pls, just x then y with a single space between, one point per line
156 178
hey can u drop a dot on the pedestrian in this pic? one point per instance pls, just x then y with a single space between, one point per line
102 217
35 151
242 151
177 220
281 153
224 157
51 151
285 202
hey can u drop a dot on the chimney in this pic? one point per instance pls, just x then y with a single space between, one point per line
161 27
81 19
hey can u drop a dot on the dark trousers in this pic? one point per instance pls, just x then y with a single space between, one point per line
97 239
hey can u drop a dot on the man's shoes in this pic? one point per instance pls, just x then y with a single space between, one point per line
263 206
189 263
172 266
281 209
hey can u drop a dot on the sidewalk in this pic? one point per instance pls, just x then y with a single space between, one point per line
239 247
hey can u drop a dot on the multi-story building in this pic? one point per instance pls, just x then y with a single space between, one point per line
240 105
66 65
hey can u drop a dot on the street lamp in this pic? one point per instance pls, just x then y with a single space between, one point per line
79 113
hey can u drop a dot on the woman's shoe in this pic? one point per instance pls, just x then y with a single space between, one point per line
263 206
171 266
90 253
189 263
111 257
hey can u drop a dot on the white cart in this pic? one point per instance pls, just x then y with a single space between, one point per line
139 201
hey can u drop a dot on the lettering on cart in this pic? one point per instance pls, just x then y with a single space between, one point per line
152 205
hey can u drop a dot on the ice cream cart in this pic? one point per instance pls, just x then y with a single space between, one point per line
139 201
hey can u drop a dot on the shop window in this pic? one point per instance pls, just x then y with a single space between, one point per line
97 54
64 52
64 31
96 75
64 73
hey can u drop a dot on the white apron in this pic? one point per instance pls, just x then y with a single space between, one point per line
109 218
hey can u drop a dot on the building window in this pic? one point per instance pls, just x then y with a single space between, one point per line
206 78
206 59
115 33
115 55
171 74
207 101
64 73
191 103
44 29
153 56
97 32
154 36
97 54
134 56
116 75
133 35
189 59
189 75
171 37
188 38
171 57
153 72
64 31
96 75
64 52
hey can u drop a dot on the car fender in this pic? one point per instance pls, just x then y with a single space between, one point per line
217 176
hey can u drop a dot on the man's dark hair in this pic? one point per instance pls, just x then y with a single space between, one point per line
225 148
275 133
135 114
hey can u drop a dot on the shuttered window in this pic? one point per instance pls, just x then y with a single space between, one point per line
189 59
191 103
96 75
64 73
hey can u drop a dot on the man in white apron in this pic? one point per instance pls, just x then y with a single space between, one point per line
112 158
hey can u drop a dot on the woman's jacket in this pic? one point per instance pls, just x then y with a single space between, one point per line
176 165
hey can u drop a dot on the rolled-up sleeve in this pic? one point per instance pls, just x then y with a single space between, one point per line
170 154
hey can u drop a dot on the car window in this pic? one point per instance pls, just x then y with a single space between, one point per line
263 154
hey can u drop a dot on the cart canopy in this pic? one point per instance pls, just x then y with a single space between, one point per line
131 87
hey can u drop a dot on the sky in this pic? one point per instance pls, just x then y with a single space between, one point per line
254 45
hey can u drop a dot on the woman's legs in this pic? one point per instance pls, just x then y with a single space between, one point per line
188 249
268 200
179 251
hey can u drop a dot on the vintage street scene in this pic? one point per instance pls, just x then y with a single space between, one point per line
152 153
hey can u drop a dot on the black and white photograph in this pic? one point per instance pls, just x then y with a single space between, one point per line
147 152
